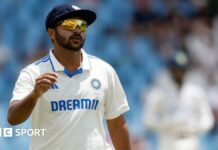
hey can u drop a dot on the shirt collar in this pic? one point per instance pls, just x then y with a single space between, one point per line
85 62
57 66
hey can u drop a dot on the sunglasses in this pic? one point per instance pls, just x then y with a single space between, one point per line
71 24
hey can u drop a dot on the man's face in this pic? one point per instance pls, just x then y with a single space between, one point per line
178 74
70 39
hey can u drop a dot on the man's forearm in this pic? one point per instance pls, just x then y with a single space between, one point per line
20 110
119 134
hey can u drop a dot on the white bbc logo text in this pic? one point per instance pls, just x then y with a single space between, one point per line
6 132
9 132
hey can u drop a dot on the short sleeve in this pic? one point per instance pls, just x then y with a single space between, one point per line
24 85
116 102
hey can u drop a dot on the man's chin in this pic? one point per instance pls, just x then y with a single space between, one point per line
75 48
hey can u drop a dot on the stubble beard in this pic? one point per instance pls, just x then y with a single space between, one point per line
66 43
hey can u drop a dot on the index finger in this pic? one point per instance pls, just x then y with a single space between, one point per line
51 74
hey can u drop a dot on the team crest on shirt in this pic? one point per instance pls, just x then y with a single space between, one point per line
96 84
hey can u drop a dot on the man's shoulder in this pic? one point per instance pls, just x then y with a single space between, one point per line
94 60
194 88
34 66
42 60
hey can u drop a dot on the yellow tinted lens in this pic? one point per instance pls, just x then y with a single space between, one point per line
83 26
71 24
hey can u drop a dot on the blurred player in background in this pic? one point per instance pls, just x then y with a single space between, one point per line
69 92
177 109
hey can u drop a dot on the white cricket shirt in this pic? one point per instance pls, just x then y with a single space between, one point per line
73 109
178 115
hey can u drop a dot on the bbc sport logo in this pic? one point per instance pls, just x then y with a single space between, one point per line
10 132
6 132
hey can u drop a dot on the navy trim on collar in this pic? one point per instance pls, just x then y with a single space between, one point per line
78 71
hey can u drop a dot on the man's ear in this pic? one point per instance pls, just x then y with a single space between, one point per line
51 33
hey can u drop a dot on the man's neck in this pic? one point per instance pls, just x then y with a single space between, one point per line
71 60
